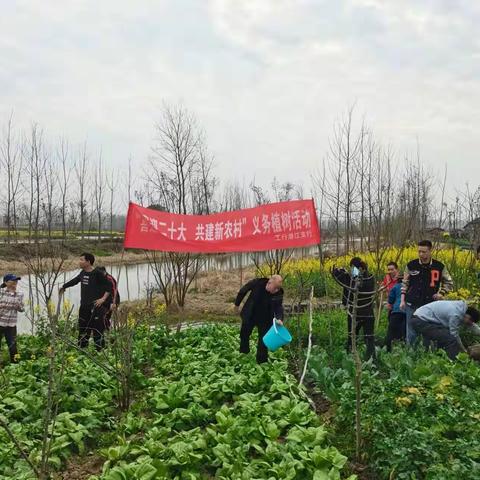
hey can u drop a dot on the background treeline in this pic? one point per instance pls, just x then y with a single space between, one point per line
367 195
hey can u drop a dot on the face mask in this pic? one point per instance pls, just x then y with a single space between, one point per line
355 272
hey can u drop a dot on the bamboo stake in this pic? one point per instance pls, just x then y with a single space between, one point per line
358 372
310 328
379 310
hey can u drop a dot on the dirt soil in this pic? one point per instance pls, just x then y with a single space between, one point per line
80 468
214 292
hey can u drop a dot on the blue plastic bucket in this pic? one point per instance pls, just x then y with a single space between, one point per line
276 337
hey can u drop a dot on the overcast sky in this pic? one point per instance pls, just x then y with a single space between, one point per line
266 79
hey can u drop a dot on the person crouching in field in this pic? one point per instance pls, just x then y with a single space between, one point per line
94 292
397 317
440 322
11 302
264 303
365 318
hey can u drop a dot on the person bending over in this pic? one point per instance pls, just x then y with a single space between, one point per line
440 322
264 303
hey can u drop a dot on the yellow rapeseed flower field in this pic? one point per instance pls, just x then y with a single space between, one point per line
461 264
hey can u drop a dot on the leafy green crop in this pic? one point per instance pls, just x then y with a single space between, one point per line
214 413
202 411
420 411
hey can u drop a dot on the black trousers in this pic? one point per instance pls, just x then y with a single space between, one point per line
367 324
397 328
91 322
438 334
10 334
246 330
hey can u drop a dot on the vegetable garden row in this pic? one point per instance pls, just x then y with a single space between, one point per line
202 411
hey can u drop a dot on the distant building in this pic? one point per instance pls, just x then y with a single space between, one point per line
472 230
435 232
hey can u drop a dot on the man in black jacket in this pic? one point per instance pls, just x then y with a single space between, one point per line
95 290
264 303
365 318
425 280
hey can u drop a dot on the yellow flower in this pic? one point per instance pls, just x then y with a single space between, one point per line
159 309
49 351
412 390
446 234
66 307
33 357
440 397
444 383
16 357
51 308
403 401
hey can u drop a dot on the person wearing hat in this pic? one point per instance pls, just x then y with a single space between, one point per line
11 302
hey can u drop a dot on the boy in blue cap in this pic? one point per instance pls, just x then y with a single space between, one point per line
11 302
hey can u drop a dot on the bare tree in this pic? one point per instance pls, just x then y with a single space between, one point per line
180 181
99 194
112 184
11 160
81 169
63 179
48 203
35 162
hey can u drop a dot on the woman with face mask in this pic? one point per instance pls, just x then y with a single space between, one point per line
365 319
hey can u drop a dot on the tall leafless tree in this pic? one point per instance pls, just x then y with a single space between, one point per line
81 172
11 161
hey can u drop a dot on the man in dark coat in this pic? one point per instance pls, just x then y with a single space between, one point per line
94 292
264 303
365 318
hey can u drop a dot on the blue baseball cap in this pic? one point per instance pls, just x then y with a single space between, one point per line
10 277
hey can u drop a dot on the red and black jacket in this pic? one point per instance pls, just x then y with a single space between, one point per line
421 281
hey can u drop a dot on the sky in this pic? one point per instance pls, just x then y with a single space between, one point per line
266 79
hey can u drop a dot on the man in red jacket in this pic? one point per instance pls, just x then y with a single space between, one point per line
390 279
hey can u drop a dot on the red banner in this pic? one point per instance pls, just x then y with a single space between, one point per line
276 225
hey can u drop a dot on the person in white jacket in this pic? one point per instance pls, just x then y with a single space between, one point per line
440 323
11 302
